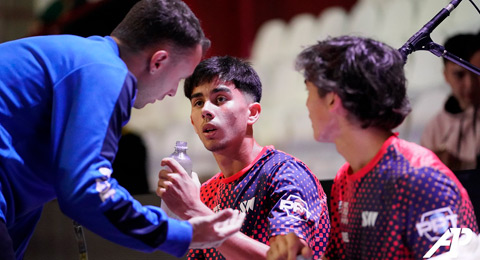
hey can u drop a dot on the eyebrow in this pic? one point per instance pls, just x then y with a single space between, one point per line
220 88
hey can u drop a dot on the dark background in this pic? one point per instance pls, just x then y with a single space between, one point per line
230 25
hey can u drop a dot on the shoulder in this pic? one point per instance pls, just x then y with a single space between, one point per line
282 161
416 155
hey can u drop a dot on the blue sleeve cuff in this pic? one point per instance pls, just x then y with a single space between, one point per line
179 236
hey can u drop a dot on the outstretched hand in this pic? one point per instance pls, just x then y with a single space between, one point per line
212 230
288 247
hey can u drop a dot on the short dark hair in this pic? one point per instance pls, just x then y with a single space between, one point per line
151 22
462 45
366 74
227 69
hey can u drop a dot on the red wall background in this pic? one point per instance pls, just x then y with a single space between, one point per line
231 25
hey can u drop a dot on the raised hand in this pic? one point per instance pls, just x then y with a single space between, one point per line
180 192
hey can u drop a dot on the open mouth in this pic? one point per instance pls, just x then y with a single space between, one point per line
209 129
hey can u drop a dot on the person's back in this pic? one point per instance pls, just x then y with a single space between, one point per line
453 134
47 93
63 102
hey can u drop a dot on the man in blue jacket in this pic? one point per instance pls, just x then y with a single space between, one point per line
63 102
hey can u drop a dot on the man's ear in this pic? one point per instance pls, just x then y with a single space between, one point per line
157 61
332 100
254 112
335 104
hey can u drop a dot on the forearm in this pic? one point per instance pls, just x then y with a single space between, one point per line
240 246
198 210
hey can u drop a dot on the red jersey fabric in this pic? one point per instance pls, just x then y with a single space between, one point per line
279 194
397 206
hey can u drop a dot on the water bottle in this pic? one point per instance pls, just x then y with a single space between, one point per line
180 155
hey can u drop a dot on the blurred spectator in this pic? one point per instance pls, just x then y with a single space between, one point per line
130 162
454 133
81 17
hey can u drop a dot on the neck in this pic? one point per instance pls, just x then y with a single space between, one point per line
234 159
135 60
359 146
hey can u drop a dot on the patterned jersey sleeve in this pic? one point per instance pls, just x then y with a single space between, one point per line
430 202
300 205
334 242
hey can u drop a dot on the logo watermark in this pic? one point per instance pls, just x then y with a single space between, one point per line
453 237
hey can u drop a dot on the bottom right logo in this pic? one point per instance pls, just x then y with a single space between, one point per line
453 237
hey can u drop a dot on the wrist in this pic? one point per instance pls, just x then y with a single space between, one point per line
200 210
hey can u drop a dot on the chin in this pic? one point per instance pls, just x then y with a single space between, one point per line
139 106
212 147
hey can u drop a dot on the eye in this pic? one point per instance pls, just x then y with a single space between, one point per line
460 74
197 103
221 99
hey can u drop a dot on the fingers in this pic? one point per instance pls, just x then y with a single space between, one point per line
306 253
166 175
173 165
228 222
279 249
196 179
288 247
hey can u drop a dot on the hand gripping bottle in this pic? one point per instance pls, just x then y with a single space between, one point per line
180 155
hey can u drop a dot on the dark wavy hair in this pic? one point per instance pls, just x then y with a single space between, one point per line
462 45
366 74
227 69
151 22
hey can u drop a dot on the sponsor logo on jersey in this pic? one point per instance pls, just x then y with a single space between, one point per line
436 222
103 186
343 209
295 208
369 218
247 205
459 237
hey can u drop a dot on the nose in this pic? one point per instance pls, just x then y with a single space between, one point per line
207 110
173 91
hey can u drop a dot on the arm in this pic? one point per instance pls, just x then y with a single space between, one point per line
90 105
176 188
301 206
242 247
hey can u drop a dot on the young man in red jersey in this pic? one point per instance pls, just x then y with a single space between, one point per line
392 199
277 192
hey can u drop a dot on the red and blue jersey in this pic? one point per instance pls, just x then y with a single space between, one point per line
279 195
397 206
